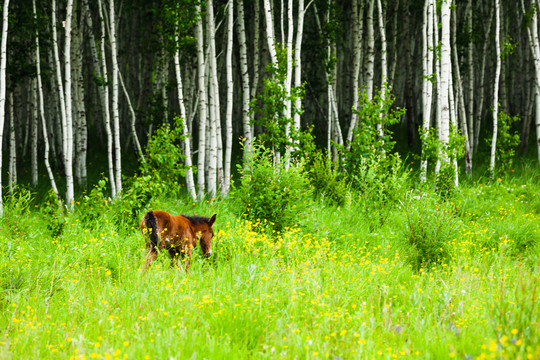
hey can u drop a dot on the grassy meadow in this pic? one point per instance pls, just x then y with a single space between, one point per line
420 277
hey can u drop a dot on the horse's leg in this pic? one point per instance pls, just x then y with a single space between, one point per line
188 250
174 252
150 255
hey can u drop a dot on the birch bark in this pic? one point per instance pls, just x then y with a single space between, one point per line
460 101
270 31
213 101
3 59
81 132
104 94
535 49
427 85
495 89
199 34
357 49
190 184
470 61
384 65
68 123
12 147
248 128
446 72
230 87
34 134
42 113
370 52
256 37
298 63
115 110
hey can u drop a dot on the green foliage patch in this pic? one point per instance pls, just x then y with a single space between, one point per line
275 192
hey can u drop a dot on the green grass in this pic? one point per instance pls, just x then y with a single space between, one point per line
340 285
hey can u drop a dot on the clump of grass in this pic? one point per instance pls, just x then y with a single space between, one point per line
430 226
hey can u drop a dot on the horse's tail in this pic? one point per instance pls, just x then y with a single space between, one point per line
150 222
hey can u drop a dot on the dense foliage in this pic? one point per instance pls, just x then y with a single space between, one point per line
452 277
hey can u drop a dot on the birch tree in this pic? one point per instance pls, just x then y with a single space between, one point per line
12 146
42 112
384 65
298 63
115 109
104 95
427 93
534 42
444 84
201 70
64 91
460 101
80 123
229 111
3 60
246 91
496 88
213 99
357 50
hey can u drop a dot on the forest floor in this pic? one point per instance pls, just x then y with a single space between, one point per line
422 278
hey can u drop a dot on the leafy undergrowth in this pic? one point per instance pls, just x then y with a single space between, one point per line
420 278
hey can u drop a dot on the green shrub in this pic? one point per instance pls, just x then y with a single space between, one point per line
369 162
328 184
276 193
428 233
507 142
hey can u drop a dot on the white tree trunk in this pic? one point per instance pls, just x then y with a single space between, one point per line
534 42
133 119
270 31
384 65
444 84
481 87
190 184
357 49
81 131
3 59
288 78
256 37
248 128
460 101
68 124
115 110
42 113
12 147
298 63
199 34
104 94
230 88
214 103
496 89
427 85
34 134
370 52
470 61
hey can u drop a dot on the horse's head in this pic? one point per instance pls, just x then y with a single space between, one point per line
205 234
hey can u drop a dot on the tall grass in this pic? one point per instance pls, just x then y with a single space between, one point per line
341 284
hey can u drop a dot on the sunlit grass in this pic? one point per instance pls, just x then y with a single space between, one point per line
335 287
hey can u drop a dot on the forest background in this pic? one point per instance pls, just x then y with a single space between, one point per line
373 166
95 80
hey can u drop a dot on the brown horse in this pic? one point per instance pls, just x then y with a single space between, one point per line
177 234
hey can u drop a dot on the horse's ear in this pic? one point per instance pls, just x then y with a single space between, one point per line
212 220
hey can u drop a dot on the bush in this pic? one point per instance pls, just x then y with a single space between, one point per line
276 193
429 231
369 162
328 183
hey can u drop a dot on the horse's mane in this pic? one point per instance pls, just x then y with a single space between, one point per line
196 219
